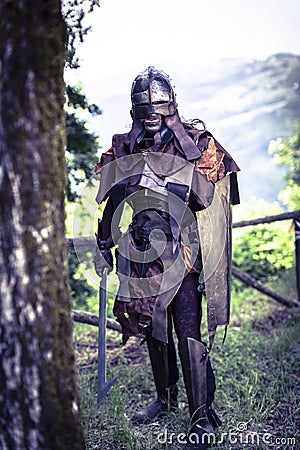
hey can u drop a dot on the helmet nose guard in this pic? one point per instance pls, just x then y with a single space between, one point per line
152 92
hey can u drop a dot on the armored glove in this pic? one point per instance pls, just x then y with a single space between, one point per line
103 259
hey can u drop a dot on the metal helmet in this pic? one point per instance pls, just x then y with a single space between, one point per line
152 92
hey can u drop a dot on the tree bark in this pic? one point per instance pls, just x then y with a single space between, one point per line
38 397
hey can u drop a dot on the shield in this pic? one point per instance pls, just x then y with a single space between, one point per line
215 225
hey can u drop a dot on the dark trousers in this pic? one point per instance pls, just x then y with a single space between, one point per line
185 312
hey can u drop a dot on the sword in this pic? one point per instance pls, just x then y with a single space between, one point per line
103 385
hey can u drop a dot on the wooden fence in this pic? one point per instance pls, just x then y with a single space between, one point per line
295 216
92 319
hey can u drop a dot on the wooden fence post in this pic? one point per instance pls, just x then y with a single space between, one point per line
297 254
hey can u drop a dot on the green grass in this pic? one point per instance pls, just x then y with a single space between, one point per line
258 393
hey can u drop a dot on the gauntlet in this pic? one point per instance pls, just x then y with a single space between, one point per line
103 260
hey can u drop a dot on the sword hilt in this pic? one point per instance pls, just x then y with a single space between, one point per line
99 236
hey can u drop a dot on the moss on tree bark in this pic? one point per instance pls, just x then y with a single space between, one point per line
38 396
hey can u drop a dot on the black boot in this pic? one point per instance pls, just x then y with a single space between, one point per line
213 418
211 388
165 373
193 355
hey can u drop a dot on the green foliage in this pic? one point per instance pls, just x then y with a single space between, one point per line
263 251
81 222
82 145
74 12
81 291
287 152
82 155
78 100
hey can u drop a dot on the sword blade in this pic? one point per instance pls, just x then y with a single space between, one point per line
103 386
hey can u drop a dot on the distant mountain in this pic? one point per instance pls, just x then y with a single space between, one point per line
245 105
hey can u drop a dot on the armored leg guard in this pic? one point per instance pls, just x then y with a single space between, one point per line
165 373
211 388
193 355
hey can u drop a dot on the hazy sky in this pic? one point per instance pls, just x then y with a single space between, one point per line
183 38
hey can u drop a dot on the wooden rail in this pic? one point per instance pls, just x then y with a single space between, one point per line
92 319
286 301
295 215
268 219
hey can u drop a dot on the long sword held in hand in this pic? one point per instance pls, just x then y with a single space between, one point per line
103 385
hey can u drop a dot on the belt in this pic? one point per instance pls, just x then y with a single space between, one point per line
142 233
143 202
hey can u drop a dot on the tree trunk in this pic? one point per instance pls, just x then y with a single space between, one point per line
38 396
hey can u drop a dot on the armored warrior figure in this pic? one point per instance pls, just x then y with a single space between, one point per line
180 183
